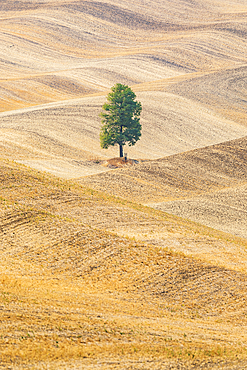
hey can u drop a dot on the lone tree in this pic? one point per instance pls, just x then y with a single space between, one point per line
120 118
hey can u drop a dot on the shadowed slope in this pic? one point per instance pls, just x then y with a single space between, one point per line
209 183
179 176
225 92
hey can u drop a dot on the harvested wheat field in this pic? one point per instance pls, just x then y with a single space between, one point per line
107 264
63 138
206 185
78 292
58 60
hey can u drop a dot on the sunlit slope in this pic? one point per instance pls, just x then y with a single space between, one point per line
93 281
185 62
76 292
206 185
25 190
63 138
56 50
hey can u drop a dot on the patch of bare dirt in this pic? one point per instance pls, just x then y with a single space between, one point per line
119 162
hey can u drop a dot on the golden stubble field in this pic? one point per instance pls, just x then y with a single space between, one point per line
94 273
58 60
206 185
77 291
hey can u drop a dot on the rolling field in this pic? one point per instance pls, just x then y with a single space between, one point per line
78 292
206 185
142 266
63 139
185 62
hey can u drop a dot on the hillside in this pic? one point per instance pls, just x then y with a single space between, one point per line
139 267
63 139
76 290
206 185
185 62
226 92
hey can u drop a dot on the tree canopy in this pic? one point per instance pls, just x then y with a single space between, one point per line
120 118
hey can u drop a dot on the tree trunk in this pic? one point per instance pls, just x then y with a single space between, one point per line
121 151
120 145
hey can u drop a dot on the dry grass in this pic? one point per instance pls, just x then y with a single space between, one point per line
206 185
64 138
180 176
72 289
90 277
182 60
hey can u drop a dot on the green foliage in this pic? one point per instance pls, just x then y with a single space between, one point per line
120 118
